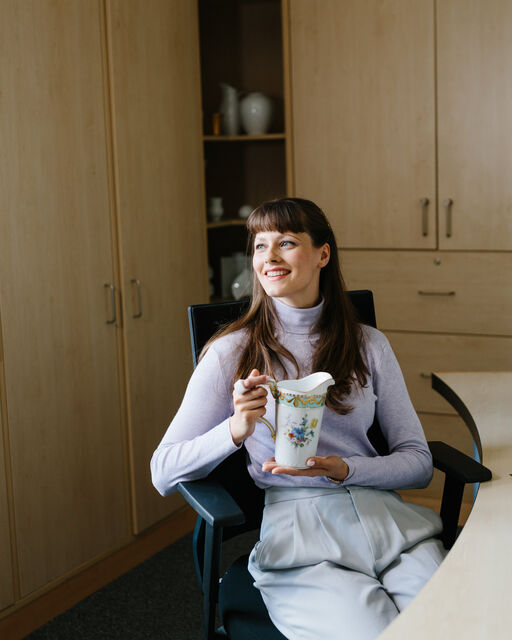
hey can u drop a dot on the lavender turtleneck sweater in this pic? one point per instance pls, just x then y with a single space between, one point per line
198 438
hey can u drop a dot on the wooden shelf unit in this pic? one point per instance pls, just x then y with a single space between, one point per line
241 169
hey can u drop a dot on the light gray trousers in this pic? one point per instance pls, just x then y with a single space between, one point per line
342 562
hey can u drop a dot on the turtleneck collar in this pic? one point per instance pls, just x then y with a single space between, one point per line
296 320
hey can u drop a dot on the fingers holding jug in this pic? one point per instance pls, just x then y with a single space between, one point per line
249 401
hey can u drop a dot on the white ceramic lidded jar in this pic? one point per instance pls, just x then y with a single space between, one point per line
256 113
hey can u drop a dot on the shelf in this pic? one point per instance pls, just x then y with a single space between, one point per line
244 138
235 222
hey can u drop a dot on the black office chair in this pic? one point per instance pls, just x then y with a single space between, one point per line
228 502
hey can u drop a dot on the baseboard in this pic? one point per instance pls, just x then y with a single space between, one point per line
32 612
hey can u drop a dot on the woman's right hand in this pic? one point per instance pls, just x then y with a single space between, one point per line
249 406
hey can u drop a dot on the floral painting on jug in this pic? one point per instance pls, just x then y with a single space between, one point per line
301 434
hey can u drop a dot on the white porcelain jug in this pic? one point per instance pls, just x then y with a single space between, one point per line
298 417
230 110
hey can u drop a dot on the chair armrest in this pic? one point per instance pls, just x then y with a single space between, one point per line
458 465
459 469
212 502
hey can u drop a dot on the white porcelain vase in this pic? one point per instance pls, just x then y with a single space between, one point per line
241 286
256 113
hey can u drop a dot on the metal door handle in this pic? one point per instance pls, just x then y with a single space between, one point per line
448 206
424 215
136 282
112 302
436 293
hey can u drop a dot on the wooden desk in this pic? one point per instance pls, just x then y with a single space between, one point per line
470 595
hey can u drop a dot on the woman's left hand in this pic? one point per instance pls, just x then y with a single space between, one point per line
331 466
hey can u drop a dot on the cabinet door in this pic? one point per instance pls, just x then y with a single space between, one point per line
6 575
157 123
61 360
363 112
475 120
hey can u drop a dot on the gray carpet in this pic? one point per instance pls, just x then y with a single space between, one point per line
160 599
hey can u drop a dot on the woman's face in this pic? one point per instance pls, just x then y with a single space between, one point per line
288 266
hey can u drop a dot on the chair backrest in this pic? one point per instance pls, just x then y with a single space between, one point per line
204 322
207 319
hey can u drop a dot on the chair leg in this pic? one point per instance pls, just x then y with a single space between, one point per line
211 570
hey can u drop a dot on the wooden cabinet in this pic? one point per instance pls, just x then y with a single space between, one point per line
60 348
241 45
102 247
475 118
363 113
6 573
157 133
391 102
400 113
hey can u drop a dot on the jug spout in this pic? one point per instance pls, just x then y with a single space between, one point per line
314 384
320 382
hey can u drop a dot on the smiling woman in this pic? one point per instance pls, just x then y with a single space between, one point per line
374 552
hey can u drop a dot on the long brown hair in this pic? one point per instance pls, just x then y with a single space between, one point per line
338 350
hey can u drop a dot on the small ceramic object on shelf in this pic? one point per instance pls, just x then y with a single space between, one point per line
230 267
242 284
245 211
230 110
215 208
256 113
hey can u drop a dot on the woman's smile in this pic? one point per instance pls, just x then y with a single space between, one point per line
277 274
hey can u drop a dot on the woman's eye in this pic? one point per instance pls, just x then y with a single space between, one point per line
258 246
287 243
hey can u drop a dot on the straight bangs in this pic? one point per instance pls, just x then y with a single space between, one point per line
278 215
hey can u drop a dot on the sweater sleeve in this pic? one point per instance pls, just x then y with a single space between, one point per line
409 462
198 438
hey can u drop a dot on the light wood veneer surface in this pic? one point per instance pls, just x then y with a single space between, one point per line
469 595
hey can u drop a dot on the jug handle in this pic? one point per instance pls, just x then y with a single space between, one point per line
239 388
272 385
269 425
